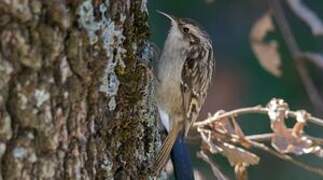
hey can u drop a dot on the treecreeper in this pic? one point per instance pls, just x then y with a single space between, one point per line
184 73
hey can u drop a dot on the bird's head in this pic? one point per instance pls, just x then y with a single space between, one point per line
185 29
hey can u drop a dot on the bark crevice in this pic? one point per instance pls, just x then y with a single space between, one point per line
55 120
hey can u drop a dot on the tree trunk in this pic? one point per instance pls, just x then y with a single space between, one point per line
75 101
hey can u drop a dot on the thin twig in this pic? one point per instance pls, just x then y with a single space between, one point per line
296 53
216 172
315 58
252 110
311 119
310 88
260 137
206 136
283 25
268 136
288 158
307 15
236 112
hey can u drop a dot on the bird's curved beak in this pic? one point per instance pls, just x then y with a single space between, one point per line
172 18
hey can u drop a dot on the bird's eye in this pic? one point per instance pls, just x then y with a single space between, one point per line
185 29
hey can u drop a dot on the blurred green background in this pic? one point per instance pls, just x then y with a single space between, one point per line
239 80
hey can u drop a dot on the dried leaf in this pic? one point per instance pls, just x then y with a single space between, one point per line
228 130
298 145
231 127
289 140
267 53
301 118
237 155
241 172
227 126
277 109
218 141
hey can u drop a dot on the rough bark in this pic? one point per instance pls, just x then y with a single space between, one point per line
75 101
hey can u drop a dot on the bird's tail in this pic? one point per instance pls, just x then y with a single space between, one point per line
163 155
181 160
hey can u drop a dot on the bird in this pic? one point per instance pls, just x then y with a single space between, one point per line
184 73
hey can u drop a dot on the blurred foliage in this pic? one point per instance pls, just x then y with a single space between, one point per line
239 80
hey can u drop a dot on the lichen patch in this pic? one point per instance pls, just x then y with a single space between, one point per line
112 37
41 96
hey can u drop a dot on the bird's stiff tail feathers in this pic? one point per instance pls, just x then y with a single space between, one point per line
181 160
163 155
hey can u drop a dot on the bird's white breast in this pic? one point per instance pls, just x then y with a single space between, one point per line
170 67
164 118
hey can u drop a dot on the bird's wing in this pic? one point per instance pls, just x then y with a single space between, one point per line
196 77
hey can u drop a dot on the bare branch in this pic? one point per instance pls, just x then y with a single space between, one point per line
217 131
315 58
216 172
216 116
268 136
296 53
288 158
252 110
307 15
308 83
283 26
260 137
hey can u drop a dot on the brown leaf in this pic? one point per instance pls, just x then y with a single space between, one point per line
237 155
267 53
289 140
241 172
298 145
277 109
227 130
221 139
230 128
301 118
